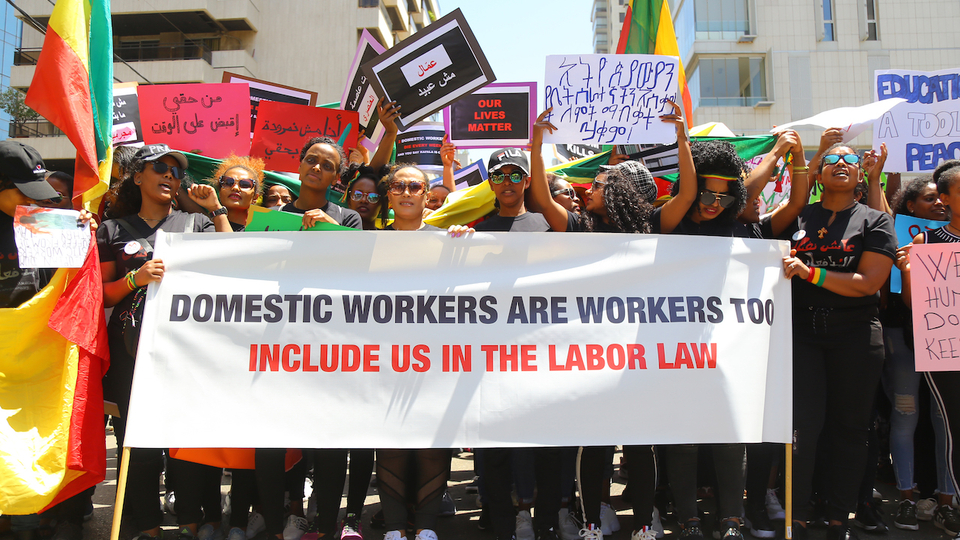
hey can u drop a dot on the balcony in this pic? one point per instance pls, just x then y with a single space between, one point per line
34 128
148 53
398 14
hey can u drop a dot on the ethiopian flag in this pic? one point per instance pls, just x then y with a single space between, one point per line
648 29
72 87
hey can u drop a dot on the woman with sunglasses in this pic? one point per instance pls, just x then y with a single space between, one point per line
143 205
406 187
841 255
238 181
363 196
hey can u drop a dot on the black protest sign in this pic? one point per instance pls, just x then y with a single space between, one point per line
126 115
268 91
431 69
420 145
495 116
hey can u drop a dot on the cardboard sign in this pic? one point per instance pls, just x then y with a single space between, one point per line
268 91
430 69
208 119
935 286
126 115
420 145
265 219
907 228
495 116
610 98
471 175
50 238
922 132
359 94
284 128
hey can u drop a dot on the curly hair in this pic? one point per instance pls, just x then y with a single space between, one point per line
252 165
910 192
946 174
384 185
126 193
718 158
626 207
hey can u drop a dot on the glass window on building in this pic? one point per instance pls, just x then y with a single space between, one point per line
829 29
731 82
721 19
871 20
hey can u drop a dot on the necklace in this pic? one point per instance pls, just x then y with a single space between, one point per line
148 219
823 230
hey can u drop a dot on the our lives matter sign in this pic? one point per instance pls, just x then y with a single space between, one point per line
935 290
610 98
420 340
495 116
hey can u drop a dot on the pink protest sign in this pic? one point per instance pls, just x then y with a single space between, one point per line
283 128
208 119
935 289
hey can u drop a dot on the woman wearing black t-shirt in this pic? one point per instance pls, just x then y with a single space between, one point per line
841 255
144 205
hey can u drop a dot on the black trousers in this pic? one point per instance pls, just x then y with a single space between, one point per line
329 474
198 492
498 481
945 386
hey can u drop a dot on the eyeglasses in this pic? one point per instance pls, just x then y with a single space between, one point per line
833 159
370 197
160 167
499 178
569 192
229 181
707 198
596 185
416 187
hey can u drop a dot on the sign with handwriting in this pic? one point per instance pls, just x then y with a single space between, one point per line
50 237
208 119
283 128
430 69
935 290
359 94
269 91
495 116
126 115
610 98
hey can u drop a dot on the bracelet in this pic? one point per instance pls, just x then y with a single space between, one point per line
801 169
821 277
131 280
218 212
812 276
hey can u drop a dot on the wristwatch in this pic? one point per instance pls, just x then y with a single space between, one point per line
218 212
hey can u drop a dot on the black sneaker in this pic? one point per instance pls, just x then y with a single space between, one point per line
869 518
760 524
548 534
948 519
841 532
691 530
731 530
484 522
906 516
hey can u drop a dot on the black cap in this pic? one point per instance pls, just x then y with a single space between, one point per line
23 165
508 156
153 152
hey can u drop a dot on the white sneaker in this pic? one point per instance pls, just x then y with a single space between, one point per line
609 523
426 534
569 527
395 535
646 534
656 524
255 524
591 532
294 528
169 500
236 533
926 509
774 510
524 526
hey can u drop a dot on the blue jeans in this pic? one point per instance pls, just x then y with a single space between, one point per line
901 383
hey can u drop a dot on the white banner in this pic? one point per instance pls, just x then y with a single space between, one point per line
392 340
923 131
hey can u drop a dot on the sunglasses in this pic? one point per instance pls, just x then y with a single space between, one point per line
229 181
499 178
370 197
160 167
707 198
56 200
569 192
416 187
596 185
833 159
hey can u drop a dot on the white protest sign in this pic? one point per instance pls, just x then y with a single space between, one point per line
610 98
851 120
923 131
419 340
50 238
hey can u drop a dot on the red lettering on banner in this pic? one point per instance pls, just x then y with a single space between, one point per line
636 356
702 355
527 356
456 358
351 358
272 359
710 356
307 366
419 356
253 357
574 358
288 364
371 355
594 357
554 366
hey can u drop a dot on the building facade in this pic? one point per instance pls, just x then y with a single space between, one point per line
306 44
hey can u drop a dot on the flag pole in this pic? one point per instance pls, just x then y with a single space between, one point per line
788 496
121 489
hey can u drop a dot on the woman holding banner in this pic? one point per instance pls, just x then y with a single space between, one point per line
143 206
841 255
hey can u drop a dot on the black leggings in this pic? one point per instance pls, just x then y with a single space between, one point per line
329 473
432 472
643 482
945 387
198 492
837 361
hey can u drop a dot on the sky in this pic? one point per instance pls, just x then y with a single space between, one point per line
517 35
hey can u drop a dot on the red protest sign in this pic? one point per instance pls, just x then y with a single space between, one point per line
283 128
208 119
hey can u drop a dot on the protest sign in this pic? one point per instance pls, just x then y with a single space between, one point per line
268 91
852 121
610 98
495 116
359 94
430 69
50 237
420 145
935 288
284 128
920 132
471 175
208 119
264 219
907 228
420 340
126 115
573 152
